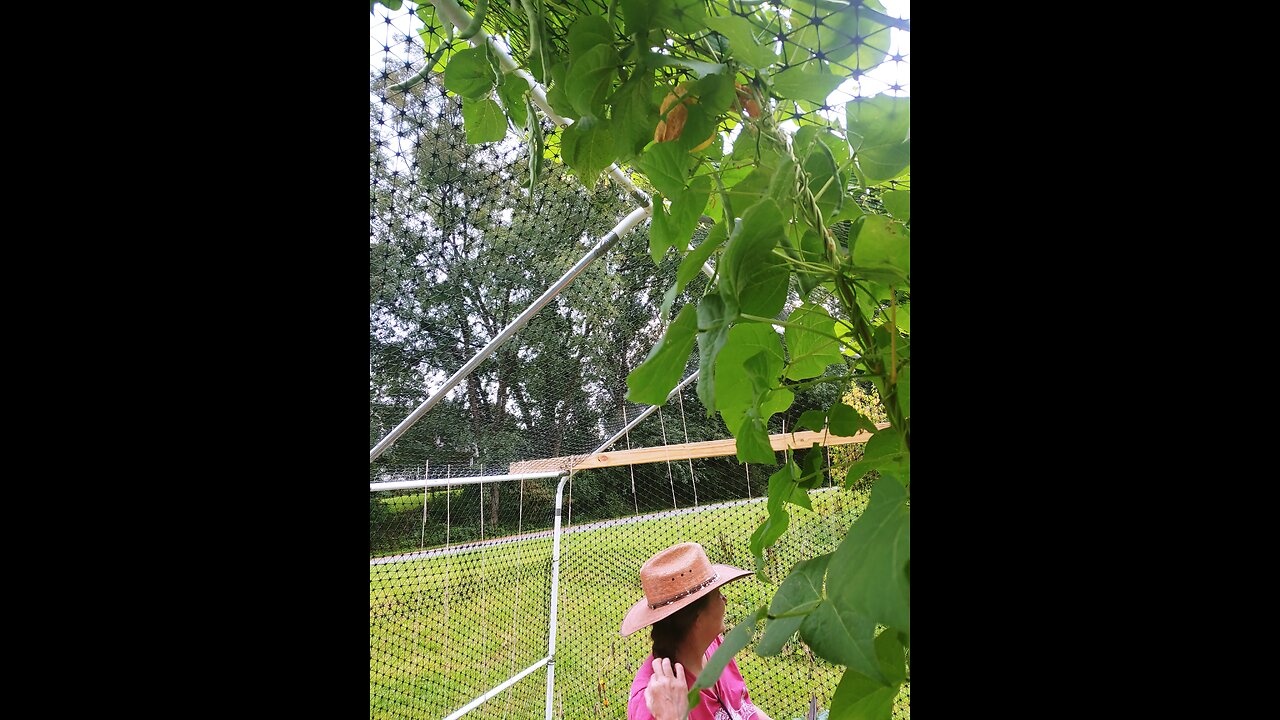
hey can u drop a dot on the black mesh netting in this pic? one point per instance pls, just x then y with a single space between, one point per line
460 576
460 580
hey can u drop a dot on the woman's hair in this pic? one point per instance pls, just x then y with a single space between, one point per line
670 631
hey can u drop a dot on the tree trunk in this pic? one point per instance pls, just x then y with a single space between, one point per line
493 505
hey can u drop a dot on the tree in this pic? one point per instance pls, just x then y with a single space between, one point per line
452 264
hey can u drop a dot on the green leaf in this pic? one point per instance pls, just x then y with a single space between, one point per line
844 331
838 146
889 646
743 43
753 278
882 338
714 95
735 392
815 420
885 163
556 96
776 401
880 133
882 244
716 92
858 697
842 635
834 35
814 250
903 320
469 74
736 640
846 422
635 114
513 92
868 571
824 181
879 274
898 203
431 33
392 4
894 318
801 592
859 469
682 16
760 372
751 189
484 120
783 487
559 102
801 83
752 443
713 333
588 148
767 534
875 35
880 120
587 32
782 186
728 177
887 446
814 148
692 263
850 211
667 167
668 299
589 79
777 633
751 149
662 369
638 15
761 369
674 229
812 467
812 349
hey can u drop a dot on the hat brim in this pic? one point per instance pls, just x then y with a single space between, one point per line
641 615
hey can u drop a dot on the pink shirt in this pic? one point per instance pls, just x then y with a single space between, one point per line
726 700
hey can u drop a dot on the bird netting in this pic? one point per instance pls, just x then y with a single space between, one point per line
461 243
460 580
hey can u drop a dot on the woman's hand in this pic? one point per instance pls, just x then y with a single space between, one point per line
667 696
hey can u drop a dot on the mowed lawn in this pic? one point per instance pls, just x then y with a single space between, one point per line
444 630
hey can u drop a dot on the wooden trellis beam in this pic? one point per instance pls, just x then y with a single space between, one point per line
685 451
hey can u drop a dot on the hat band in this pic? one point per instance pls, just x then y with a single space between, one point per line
686 593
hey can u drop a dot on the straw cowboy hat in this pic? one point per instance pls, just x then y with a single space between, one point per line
673 579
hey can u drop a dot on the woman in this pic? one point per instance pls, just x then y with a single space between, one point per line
683 603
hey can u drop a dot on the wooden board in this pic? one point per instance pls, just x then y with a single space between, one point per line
684 451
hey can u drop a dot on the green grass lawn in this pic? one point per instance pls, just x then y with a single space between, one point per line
444 630
412 500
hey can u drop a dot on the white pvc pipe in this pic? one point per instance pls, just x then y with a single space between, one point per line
508 683
555 589
406 484
646 413
608 241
